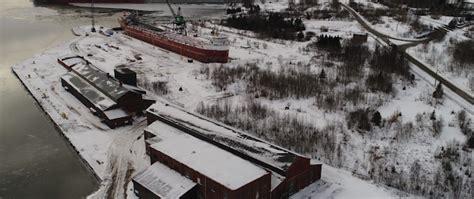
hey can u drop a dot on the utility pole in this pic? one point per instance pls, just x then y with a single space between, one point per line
92 16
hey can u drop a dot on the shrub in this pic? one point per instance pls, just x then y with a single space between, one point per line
359 119
379 82
376 118
462 52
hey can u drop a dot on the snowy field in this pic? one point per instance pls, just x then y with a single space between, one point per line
438 54
107 150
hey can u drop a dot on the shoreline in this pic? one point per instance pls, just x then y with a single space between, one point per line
70 145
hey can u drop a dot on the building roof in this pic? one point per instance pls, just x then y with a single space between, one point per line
94 96
116 114
215 163
163 181
101 80
277 158
125 70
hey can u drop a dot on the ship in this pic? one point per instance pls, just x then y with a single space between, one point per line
214 49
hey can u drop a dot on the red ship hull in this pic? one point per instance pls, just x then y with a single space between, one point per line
154 38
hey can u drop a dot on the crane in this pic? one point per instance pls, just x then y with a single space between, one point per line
178 18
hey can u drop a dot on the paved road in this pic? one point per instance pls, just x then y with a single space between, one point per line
466 95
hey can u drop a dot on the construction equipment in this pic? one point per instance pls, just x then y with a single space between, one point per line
178 19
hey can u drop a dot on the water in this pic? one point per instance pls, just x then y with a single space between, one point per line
35 161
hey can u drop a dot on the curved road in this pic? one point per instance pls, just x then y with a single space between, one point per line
466 95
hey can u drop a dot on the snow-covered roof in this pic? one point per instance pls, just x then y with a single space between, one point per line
93 95
101 80
219 165
116 113
271 156
163 181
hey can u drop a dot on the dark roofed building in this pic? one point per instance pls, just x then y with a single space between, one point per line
126 76
114 102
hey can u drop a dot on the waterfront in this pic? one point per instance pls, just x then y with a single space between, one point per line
35 160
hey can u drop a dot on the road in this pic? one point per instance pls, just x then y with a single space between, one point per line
466 95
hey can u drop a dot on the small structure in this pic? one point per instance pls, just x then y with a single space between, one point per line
223 161
126 76
114 102
159 181
324 29
359 37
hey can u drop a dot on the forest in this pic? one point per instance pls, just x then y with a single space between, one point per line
273 25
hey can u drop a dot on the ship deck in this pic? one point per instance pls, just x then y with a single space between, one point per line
186 40
167 34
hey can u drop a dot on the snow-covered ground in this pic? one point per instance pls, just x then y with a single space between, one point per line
438 54
370 4
344 29
442 21
92 139
108 150
394 28
336 183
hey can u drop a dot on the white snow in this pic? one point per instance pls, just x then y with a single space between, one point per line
344 29
99 145
163 181
91 93
439 56
207 159
263 150
337 183
115 113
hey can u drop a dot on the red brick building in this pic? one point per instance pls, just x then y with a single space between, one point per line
182 140
217 173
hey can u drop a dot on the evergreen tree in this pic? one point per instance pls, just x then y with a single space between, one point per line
300 36
433 116
364 122
322 75
377 118
470 142
438 93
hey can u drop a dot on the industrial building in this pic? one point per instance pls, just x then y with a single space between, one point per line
112 100
223 162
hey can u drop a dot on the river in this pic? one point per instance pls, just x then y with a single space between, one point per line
35 161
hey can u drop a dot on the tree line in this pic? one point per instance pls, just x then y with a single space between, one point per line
274 25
